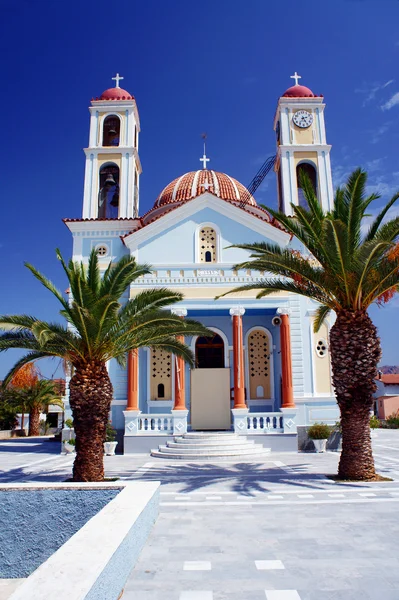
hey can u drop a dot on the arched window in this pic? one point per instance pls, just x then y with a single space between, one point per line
207 245
111 131
209 352
161 390
108 196
310 171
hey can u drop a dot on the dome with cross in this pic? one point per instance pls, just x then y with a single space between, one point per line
116 93
297 90
193 184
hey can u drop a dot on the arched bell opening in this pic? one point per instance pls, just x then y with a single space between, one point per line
209 352
111 131
108 196
308 170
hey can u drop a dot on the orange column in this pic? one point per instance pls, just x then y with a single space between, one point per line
180 396
287 392
238 357
132 380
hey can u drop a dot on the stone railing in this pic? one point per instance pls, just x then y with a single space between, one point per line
265 422
155 423
138 423
249 423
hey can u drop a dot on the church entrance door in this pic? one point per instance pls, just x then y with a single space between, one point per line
210 387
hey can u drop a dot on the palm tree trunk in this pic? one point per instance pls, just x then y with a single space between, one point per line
90 400
355 353
34 421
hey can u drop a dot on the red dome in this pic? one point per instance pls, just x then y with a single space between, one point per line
193 184
116 93
299 91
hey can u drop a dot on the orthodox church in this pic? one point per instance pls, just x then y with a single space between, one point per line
265 372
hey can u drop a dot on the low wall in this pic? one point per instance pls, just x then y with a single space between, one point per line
5 434
305 444
143 444
277 442
36 522
95 562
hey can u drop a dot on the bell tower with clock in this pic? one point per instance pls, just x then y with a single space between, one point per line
301 146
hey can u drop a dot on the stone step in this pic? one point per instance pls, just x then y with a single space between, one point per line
241 450
197 443
192 449
210 436
210 455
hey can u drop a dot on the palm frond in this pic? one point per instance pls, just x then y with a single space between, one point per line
321 314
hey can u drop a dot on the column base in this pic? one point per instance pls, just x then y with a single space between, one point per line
179 418
132 424
240 420
289 420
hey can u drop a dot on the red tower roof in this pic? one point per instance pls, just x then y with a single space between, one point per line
298 91
116 93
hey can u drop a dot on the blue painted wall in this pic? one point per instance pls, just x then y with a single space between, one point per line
35 523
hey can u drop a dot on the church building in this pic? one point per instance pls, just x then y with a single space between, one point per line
265 372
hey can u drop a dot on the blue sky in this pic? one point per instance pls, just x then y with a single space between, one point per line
211 65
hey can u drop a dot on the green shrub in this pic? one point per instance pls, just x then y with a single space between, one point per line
110 433
392 422
71 442
319 431
69 423
374 422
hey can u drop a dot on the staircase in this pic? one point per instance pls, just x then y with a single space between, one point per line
215 445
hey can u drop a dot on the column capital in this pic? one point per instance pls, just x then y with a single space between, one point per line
179 312
283 311
237 311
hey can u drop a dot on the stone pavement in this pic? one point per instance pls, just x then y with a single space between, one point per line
275 529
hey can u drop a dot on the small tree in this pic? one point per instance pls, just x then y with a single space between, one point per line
35 399
23 379
102 324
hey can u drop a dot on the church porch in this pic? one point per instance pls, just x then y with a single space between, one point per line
242 383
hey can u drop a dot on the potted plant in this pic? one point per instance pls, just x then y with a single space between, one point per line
110 444
69 446
319 433
374 424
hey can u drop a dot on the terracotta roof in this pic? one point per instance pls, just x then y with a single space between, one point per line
390 379
115 93
193 184
299 91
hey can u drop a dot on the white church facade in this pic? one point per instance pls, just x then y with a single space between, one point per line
265 372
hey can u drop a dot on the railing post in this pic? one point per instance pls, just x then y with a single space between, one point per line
132 422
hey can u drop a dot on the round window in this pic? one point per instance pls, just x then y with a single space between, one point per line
321 347
102 250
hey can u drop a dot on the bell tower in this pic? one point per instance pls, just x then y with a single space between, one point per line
113 168
301 146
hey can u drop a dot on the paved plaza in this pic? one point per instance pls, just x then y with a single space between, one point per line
276 529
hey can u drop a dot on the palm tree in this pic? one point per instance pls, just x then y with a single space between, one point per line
101 325
35 399
344 271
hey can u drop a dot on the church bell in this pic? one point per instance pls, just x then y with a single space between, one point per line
110 181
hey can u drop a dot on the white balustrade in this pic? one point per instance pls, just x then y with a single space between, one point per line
152 424
267 422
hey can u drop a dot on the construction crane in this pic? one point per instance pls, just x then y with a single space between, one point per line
257 180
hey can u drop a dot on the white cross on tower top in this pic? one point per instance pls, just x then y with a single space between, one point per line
296 77
117 79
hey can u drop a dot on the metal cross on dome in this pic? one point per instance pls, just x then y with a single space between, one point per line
117 79
296 77
204 159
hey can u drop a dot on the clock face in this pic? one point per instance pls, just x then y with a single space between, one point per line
303 118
